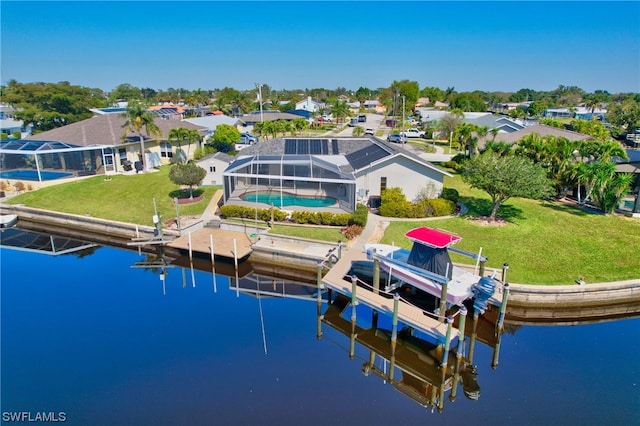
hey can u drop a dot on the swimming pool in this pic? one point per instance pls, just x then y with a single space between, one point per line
287 199
31 174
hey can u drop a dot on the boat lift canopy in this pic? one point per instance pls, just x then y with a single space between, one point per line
432 237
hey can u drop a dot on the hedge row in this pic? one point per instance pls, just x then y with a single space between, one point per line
250 213
432 207
359 216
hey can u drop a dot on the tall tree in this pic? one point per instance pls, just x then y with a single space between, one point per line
189 174
504 177
138 118
51 105
225 138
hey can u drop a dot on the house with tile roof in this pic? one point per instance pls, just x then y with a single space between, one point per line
345 171
215 165
107 131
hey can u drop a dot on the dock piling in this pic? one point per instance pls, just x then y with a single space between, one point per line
503 309
447 342
376 276
394 321
213 264
354 300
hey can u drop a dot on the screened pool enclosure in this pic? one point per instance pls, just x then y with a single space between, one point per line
289 181
40 161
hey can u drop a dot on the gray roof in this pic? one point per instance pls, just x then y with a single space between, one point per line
104 130
267 116
542 130
493 121
211 121
222 156
358 152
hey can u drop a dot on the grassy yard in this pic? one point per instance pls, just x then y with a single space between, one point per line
123 198
320 233
543 242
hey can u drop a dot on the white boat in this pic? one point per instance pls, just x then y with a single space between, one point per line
8 220
427 266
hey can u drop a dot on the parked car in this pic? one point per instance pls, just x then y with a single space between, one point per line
391 123
248 139
362 118
395 138
369 132
353 122
413 133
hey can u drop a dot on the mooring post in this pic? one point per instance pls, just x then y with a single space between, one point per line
447 342
505 268
503 308
354 300
235 253
376 276
461 325
496 352
352 340
483 262
339 250
213 264
319 298
190 248
443 302
472 340
394 321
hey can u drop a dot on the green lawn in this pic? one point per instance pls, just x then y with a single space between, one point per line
123 198
319 233
543 242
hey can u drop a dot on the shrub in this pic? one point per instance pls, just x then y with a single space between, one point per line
18 186
250 213
359 216
441 206
352 231
397 209
450 194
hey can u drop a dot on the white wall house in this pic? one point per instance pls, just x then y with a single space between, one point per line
215 164
399 171
309 105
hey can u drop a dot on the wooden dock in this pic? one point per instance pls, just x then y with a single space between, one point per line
408 314
222 243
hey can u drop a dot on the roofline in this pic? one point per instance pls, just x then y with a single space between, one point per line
414 159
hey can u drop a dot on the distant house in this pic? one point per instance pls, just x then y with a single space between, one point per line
345 170
582 113
210 122
374 104
215 164
541 130
309 105
256 117
107 131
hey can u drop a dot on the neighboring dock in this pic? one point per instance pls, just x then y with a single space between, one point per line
226 244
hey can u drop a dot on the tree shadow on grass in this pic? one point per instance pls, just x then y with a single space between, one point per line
184 193
482 207
571 208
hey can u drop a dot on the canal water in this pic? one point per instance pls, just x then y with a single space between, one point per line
90 339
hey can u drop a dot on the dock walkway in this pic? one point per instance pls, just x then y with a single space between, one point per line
222 243
409 315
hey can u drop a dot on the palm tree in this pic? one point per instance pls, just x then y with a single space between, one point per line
181 135
139 118
358 131
339 110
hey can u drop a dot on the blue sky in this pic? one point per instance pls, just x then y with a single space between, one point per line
491 46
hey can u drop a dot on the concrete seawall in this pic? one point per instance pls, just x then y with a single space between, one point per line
86 226
290 252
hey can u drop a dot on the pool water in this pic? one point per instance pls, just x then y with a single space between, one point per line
33 175
287 199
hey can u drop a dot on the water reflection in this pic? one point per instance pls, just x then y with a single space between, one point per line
413 366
